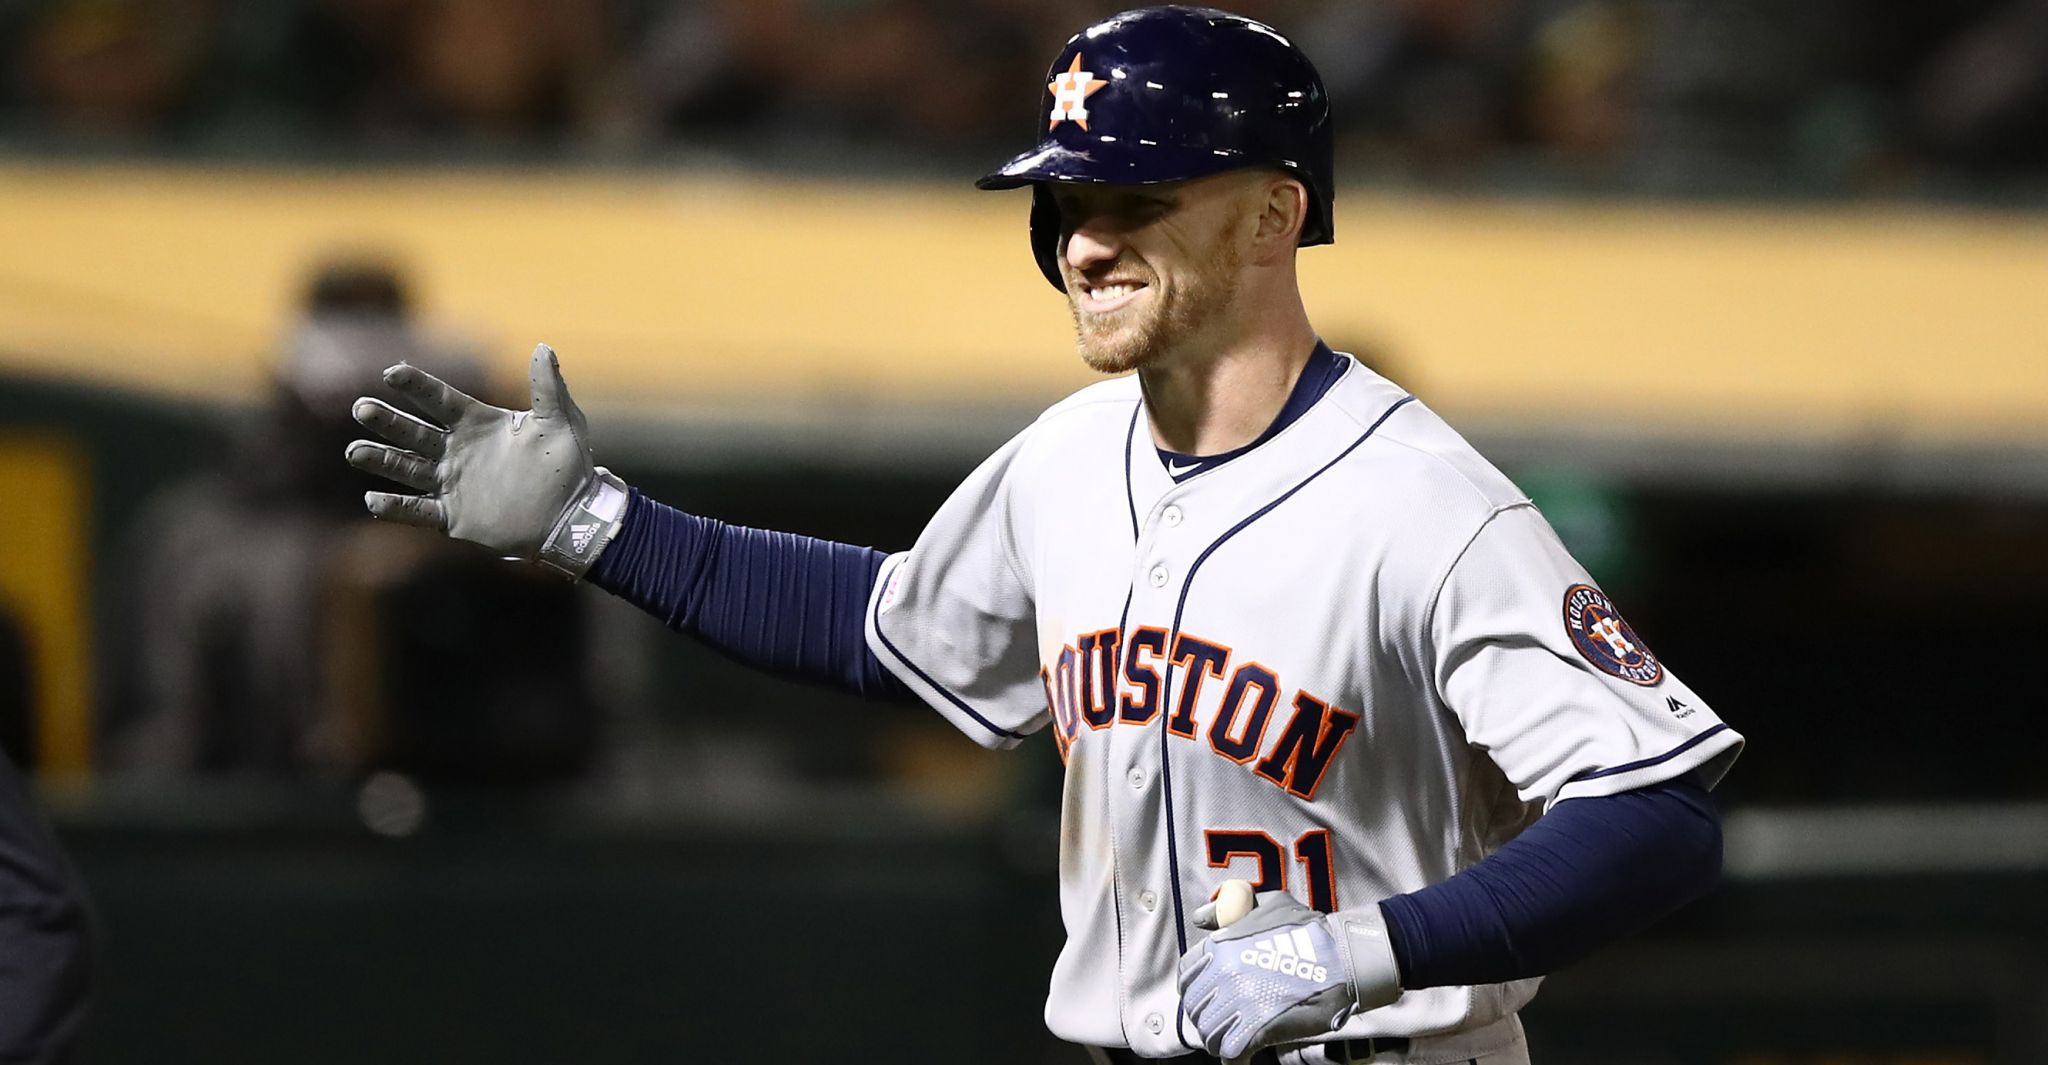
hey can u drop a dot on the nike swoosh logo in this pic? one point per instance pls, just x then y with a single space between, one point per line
1177 470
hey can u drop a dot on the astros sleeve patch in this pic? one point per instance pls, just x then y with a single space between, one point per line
1604 639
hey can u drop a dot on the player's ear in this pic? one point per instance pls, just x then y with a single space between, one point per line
1283 210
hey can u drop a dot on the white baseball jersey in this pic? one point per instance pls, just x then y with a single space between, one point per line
1348 663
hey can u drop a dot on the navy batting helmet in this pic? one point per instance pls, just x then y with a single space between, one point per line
1171 93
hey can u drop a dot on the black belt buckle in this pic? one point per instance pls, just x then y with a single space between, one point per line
1352 1049
1126 1056
1364 1049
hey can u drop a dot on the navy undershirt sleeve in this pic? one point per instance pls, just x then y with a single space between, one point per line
792 605
1589 873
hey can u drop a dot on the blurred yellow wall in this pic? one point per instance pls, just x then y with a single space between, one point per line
701 288
44 481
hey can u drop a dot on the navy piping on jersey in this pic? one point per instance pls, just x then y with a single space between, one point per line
1595 774
1166 685
927 678
1130 494
1123 622
1322 372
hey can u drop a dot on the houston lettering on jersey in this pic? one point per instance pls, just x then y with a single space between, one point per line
1084 692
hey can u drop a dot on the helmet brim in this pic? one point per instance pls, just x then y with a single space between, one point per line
1112 162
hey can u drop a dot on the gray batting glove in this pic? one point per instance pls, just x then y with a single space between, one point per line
520 483
1284 973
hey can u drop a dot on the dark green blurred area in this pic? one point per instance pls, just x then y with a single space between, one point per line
267 927
254 927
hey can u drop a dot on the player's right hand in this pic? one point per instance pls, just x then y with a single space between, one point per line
1283 973
520 483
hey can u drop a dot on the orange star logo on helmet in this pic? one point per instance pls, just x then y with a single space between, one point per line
1070 93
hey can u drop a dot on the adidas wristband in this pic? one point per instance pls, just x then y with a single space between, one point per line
1368 955
586 526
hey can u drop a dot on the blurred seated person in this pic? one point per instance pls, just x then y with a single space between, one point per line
270 628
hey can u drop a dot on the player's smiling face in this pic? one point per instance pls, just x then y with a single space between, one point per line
1149 268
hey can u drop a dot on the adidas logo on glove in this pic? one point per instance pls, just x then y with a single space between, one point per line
1288 955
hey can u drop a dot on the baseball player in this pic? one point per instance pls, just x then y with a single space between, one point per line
1284 625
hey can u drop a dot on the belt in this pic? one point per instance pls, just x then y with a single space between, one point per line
1351 1049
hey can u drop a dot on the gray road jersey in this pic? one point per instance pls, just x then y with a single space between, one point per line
1346 664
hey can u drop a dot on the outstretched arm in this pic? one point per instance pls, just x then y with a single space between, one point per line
523 484
792 605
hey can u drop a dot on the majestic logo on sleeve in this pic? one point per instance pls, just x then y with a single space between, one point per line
1605 639
1070 93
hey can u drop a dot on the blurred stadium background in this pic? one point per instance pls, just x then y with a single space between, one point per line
1752 296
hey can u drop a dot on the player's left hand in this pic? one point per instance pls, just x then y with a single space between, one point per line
1284 973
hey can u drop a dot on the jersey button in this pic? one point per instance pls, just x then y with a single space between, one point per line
1148 899
1137 779
1155 1023
1159 576
1171 516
